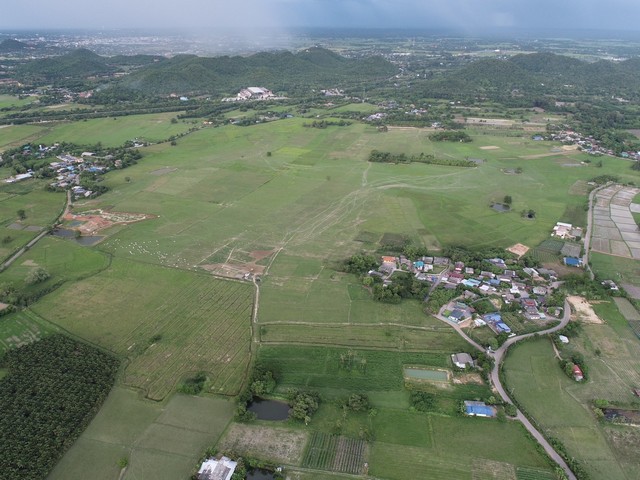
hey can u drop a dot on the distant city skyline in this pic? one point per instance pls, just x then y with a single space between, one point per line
245 15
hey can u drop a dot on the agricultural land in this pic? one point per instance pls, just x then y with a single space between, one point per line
215 267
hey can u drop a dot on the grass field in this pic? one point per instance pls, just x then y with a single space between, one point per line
63 259
169 323
117 130
562 406
289 203
22 327
617 269
159 441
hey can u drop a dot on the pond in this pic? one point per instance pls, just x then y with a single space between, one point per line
426 374
500 207
260 474
87 241
269 409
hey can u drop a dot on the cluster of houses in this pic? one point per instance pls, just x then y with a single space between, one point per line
68 169
588 144
527 288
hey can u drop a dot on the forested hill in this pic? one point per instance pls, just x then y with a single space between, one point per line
280 71
538 74
10 45
79 63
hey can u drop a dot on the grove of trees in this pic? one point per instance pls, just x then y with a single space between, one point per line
52 390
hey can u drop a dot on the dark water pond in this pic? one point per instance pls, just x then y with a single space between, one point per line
71 235
620 415
269 409
259 474
63 233
500 207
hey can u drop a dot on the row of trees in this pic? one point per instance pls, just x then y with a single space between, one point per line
388 157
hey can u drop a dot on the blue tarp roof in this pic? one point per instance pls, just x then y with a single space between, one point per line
572 261
482 410
493 317
503 327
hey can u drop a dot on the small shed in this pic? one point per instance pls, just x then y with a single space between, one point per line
577 373
213 469
563 339
479 409
461 360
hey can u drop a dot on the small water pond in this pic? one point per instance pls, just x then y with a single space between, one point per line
426 374
500 207
260 474
69 234
269 409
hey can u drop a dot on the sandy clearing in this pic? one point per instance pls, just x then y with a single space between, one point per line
490 147
518 249
583 310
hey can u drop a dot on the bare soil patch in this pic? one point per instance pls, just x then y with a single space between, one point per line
29 263
492 469
234 270
278 445
583 310
490 147
465 378
93 221
518 249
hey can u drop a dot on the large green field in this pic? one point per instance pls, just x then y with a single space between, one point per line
564 408
157 440
167 323
115 131
287 203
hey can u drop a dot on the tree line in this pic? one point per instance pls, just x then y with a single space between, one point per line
377 156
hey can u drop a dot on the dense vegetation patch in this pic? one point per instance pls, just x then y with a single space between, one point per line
450 136
53 389
388 157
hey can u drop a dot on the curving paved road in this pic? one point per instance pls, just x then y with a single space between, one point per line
498 357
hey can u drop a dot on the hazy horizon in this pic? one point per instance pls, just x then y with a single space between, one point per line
244 16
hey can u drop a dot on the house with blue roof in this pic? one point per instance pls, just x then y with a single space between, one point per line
503 327
479 409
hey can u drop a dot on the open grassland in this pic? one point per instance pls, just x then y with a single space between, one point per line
365 336
333 368
18 135
64 260
14 101
22 328
41 207
294 201
159 441
451 447
618 269
562 407
168 324
154 127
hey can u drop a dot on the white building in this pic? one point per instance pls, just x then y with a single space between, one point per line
213 469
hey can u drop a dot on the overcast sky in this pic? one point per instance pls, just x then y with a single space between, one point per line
460 14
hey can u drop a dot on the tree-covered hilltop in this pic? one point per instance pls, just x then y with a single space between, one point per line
279 71
536 74
53 389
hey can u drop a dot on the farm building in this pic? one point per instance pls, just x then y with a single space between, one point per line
577 373
572 262
479 409
461 360
212 469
